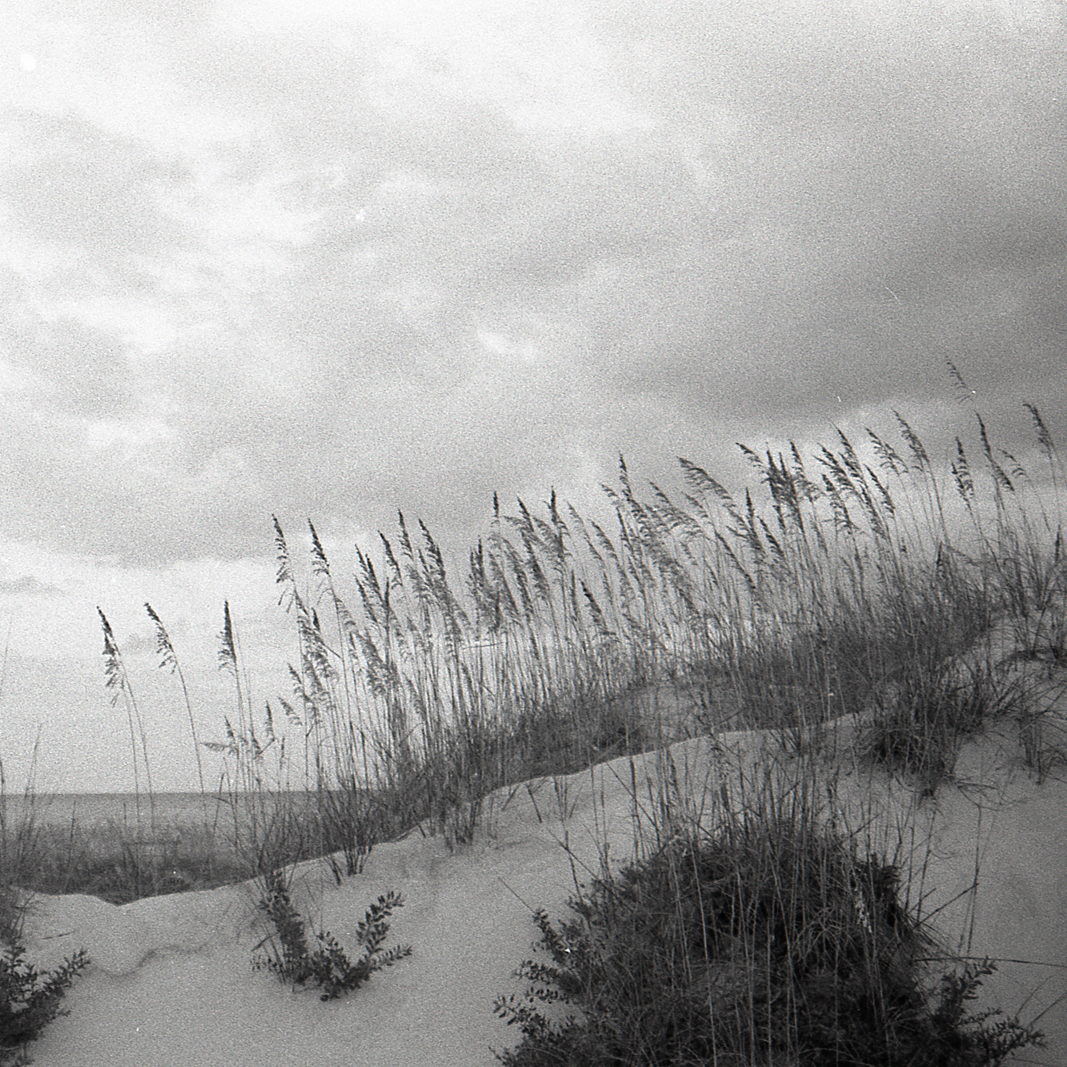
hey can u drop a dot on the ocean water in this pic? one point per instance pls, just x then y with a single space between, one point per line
123 810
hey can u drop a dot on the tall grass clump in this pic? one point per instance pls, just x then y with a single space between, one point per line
268 829
118 681
847 583
418 706
768 937
20 852
855 590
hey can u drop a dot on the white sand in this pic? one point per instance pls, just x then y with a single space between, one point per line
171 981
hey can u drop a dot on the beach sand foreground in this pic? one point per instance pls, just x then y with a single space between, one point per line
171 981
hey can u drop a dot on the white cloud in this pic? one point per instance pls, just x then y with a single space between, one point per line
130 437
12 380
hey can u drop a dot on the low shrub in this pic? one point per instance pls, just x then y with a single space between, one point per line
770 943
29 1001
327 967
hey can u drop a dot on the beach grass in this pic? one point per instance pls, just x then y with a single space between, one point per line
843 583
865 580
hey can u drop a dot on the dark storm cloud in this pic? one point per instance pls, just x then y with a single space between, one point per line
861 223
77 185
400 286
891 196
79 371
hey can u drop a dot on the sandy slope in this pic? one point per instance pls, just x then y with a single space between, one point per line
171 981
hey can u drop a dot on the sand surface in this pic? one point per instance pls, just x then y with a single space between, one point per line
171 981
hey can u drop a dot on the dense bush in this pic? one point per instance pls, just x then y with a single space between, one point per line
769 943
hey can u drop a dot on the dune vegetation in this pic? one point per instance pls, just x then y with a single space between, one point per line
856 582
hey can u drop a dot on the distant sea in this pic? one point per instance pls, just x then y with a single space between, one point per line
121 809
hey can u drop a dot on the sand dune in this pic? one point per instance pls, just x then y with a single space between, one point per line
171 980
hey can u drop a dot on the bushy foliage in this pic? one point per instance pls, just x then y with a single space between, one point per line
990 1044
327 967
770 944
29 1000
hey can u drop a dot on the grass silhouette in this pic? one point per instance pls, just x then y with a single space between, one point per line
862 581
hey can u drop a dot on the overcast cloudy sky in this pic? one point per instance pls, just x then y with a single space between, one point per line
332 258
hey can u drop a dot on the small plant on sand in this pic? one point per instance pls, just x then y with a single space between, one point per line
328 967
771 942
29 1001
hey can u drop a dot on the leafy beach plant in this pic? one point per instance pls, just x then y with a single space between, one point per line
29 1000
327 967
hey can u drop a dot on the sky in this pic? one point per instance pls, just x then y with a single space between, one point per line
330 260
